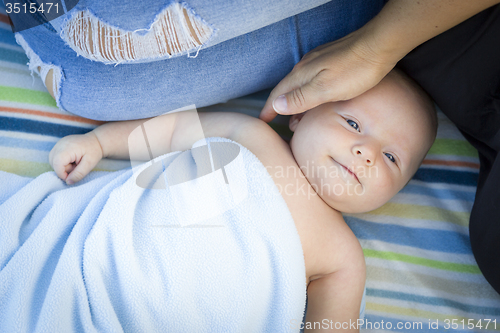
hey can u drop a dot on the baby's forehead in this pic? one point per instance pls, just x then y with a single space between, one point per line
386 106
394 113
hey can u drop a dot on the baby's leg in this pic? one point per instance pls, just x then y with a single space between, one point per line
49 82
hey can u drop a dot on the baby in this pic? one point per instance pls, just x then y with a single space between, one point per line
353 155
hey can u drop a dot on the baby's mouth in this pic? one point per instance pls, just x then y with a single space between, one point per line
349 171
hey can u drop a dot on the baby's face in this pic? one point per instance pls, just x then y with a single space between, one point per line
358 154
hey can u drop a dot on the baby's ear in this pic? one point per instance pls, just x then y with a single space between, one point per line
294 121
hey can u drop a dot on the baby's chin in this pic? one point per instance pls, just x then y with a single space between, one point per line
354 204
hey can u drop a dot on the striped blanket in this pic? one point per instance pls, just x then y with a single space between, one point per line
421 274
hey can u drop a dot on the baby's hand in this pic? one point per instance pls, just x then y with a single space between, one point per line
74 156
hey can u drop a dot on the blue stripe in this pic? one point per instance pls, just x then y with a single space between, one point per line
433 301
377 321
447 176
17 57
7 37
4 27
27 144
39 127
422 238
445 194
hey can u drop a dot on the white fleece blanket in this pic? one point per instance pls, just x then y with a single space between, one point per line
107 255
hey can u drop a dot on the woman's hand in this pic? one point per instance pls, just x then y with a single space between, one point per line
335 71
74 156
348 67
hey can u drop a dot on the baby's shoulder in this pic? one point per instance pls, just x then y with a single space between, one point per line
260 138
328 243
252 133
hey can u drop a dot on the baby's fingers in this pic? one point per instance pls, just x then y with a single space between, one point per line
83 167
69 168
62 164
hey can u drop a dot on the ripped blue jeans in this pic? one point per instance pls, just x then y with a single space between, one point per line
123 59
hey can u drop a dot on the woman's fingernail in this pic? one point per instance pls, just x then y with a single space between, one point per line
279 104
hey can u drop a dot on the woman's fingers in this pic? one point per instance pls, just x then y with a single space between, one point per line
301 99
332 72
289 93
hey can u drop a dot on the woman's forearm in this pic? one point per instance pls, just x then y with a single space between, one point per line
402 25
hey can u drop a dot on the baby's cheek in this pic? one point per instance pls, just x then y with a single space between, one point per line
383 188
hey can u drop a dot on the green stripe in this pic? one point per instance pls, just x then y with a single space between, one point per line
453 147
453 287
448 266
22 95
31 169
420 212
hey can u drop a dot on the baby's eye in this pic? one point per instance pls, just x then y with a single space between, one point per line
390 157
353 124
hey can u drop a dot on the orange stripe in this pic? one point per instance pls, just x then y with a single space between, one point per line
52 115
5 19
452 163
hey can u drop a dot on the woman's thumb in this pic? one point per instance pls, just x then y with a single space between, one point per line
299 100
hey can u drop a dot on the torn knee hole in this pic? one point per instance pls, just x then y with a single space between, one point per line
175 30
51 74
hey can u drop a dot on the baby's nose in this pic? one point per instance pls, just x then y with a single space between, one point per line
366 154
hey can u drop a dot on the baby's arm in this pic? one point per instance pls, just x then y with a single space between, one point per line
334 299
74 156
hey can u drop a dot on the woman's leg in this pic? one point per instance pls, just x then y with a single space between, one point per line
460 69
103 31
229 69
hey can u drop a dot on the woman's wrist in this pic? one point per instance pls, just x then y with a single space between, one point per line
384 45
367 46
